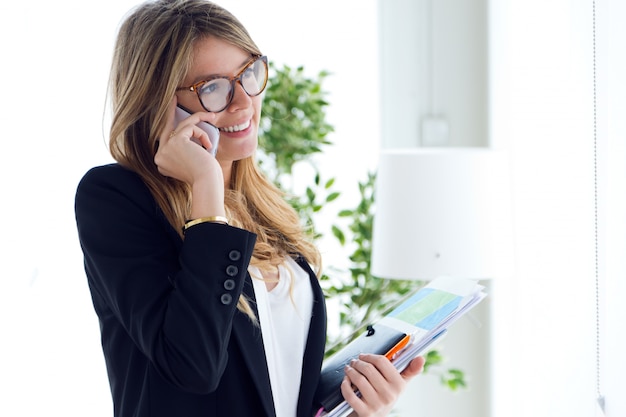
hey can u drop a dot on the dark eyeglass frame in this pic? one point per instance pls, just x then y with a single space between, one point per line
236 78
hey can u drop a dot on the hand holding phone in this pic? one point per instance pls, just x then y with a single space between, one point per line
212 131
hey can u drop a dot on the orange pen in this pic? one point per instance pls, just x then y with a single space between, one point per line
398 347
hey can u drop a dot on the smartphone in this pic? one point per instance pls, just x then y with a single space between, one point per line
213 132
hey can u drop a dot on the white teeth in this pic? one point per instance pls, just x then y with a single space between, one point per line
236 128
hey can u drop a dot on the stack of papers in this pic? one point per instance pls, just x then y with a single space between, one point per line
401 335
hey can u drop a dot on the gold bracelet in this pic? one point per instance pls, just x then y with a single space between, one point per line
211 219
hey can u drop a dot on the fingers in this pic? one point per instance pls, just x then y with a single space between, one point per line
179 156
201 137
381 364
192 133
377 381
415 367
184 125
375 390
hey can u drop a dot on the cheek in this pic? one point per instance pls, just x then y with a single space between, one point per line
257 104
189 100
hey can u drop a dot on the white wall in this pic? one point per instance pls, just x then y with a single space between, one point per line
613 96
434 66
433 60
541 111
544 114
545 117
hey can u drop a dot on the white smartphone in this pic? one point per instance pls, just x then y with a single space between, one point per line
213 132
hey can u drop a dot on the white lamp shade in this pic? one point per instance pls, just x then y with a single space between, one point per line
439 211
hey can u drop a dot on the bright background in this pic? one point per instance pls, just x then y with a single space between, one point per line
53 74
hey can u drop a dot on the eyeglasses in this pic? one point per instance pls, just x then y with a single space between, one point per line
216 93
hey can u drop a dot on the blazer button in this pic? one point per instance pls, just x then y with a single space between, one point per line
229 284
234 255
232 270
226 299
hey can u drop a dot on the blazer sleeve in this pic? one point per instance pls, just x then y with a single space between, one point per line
175 299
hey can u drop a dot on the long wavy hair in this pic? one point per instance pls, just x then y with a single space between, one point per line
152 56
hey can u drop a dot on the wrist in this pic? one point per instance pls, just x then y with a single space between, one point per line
207 200
209 219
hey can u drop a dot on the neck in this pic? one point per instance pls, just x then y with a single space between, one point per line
227 168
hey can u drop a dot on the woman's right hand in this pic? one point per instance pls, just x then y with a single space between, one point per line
183 154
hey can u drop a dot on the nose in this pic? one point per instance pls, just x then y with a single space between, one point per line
241 99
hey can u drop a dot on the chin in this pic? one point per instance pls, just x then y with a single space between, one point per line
238 152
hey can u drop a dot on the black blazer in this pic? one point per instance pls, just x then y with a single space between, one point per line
174 342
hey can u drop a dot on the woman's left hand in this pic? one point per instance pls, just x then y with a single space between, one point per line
379 383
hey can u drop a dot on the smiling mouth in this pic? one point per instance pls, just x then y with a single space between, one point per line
236 128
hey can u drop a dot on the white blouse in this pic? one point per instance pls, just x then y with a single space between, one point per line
284 316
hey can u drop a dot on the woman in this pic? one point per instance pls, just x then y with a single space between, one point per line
203 280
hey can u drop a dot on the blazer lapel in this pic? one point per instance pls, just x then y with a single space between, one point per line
251 342
315 345
250 339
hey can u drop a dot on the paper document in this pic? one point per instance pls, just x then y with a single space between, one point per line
406 332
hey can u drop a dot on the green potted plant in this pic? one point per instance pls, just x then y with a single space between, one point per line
293 129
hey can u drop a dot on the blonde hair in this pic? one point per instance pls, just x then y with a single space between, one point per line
152 56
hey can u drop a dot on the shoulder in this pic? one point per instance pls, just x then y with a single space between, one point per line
112 191
111 174
111 181
113 204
